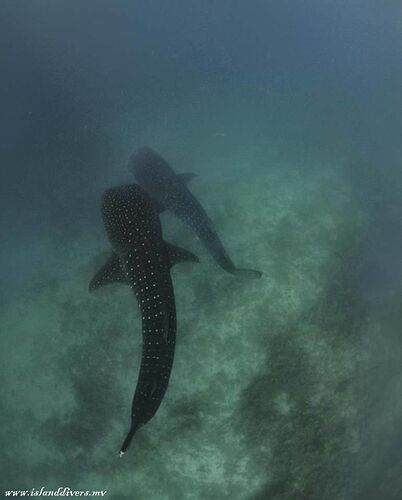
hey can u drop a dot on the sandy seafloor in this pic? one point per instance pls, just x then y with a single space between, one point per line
272 390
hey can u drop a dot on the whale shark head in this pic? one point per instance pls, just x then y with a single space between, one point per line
152 172
129 217
146 158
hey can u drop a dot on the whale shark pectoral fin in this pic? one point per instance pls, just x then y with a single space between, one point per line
110 272
177 254
186 177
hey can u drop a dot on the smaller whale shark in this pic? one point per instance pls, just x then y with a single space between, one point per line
169 191
142 260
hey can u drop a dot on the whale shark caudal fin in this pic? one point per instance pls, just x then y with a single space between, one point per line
177 254
128 439
110 272
186 177
247 273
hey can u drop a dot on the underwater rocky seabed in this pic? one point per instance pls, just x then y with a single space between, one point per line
270 384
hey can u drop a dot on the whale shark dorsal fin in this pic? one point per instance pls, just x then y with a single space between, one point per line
110 272
177 254
186 177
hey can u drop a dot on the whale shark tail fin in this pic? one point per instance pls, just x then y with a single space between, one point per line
247 273
127 441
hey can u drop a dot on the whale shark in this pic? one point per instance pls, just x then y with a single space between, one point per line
169 191
142 260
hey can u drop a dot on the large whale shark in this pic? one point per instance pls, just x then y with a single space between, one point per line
142 259
169 191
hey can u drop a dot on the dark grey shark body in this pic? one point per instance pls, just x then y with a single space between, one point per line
142 260
169 191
